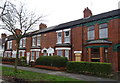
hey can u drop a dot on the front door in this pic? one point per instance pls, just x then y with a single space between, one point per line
77 57
95 54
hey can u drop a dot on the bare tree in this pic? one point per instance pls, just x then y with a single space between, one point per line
17 18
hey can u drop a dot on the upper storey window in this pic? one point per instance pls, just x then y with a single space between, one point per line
59 37
34 41
91 33
38 40
103 31
9 45
67 37
22 42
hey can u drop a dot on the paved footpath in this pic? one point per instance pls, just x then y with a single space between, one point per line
62 73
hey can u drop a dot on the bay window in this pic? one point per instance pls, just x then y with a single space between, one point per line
103 31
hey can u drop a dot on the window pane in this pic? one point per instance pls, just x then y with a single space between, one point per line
91 33
59 34
67 37
32 56
24 42
38 41
103 26
103 33
20 43
59 37
67 53
34 41
37 55
67 33
59 52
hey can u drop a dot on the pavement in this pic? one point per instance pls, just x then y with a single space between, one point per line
71 75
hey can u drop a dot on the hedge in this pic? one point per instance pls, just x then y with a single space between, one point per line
8 59
21 61
55 61
96 68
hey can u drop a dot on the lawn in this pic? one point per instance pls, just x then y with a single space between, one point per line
36 77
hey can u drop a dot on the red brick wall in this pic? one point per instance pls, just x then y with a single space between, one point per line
76 36
48 39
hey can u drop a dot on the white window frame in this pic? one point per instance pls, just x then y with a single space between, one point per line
37 54
21 43
9 45
66 37
59 38
24 42
32 56
67 54
38 40
34 41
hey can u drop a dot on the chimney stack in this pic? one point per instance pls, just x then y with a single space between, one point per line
3 35
42 26
87 12
18 31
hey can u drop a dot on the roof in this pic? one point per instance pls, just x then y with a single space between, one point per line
76 22
81 21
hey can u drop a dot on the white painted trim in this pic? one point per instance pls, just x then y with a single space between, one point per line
66 29
8 51
38 35
34 36
77 51
59 31
63 48
21 50
44 49
35 50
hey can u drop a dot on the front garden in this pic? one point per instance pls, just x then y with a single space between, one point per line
33 77
62 64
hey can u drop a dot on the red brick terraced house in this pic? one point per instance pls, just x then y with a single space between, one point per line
94 38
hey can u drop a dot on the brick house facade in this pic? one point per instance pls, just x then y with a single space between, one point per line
93 38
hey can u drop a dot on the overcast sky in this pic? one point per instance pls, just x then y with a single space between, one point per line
61 11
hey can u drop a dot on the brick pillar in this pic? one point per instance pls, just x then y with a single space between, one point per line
101 54
89 54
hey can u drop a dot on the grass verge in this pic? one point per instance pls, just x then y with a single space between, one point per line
36 77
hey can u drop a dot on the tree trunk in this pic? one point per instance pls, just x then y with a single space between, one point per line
16 60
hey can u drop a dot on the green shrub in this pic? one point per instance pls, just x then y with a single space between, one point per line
55 61
23 61
96 68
